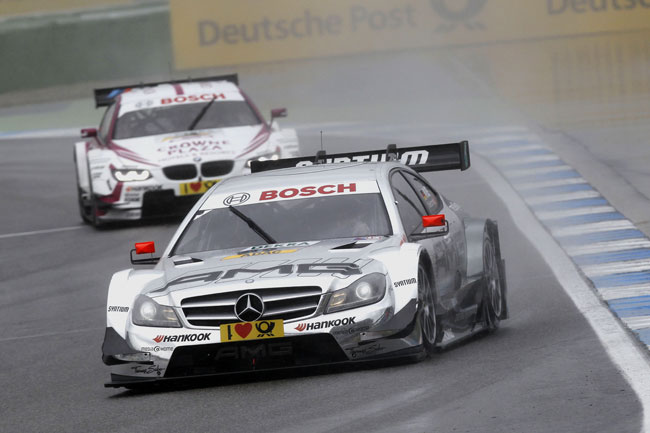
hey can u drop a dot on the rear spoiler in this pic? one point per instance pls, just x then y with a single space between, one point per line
437 157
105 97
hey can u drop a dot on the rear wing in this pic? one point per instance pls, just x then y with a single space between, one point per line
437 157
105 97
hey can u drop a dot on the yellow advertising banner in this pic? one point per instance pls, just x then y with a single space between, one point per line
26 7
227 32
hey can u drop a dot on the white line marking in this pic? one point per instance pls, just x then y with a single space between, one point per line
620 346
500 130
603 226
504 162
559 214
319 126
39 232
485 138
47 133
622 267
549 183
513 149
611 293
636 323
537 171
552 198
48 334
608 247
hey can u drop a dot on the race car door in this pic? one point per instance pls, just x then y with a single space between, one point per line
411 208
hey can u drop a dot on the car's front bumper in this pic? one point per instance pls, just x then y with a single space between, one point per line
376 333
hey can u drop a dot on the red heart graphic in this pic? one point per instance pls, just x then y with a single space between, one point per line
243 329
195 186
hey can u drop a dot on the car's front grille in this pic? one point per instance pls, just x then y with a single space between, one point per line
246 356
279 303
165 203
217 168
180 172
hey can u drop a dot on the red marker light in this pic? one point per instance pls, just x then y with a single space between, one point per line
145 248
433 221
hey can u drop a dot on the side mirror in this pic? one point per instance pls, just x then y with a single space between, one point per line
144 248
434 221
88 132
276 113
438 221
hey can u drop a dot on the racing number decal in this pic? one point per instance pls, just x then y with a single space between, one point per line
252 330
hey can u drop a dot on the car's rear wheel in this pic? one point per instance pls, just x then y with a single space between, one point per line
493 296
427 311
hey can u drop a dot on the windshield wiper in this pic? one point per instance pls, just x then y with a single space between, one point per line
257 229
198 118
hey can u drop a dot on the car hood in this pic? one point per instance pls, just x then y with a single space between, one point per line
186 147
290 264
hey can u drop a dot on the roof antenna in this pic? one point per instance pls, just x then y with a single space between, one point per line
320 155
391 152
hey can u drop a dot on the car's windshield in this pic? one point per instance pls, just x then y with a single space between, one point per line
178 118
318 218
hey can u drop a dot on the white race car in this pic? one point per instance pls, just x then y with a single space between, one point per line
161 145
302 266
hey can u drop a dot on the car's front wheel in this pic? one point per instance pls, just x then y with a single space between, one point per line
85 208
88 208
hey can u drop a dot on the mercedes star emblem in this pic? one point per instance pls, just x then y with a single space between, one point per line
249 307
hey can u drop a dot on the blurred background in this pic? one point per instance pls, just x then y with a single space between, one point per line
576 70
536 55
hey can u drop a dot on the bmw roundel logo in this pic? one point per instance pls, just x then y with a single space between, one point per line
249 307
197 159
235 199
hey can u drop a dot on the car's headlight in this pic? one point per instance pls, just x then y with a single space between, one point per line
147 312
266 157
365 291
130 175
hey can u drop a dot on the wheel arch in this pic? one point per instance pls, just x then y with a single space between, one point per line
124 288
427 262
79 156
475 228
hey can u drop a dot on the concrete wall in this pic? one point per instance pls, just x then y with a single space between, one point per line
101 48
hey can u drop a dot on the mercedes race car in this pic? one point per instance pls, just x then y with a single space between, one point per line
341 258
161 145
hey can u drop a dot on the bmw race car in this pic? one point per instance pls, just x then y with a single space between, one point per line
341 258
161 145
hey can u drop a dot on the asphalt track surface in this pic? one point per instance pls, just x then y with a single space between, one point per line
544 371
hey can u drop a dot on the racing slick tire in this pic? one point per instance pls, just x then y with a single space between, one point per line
87 207
427 311
494 295
85 210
